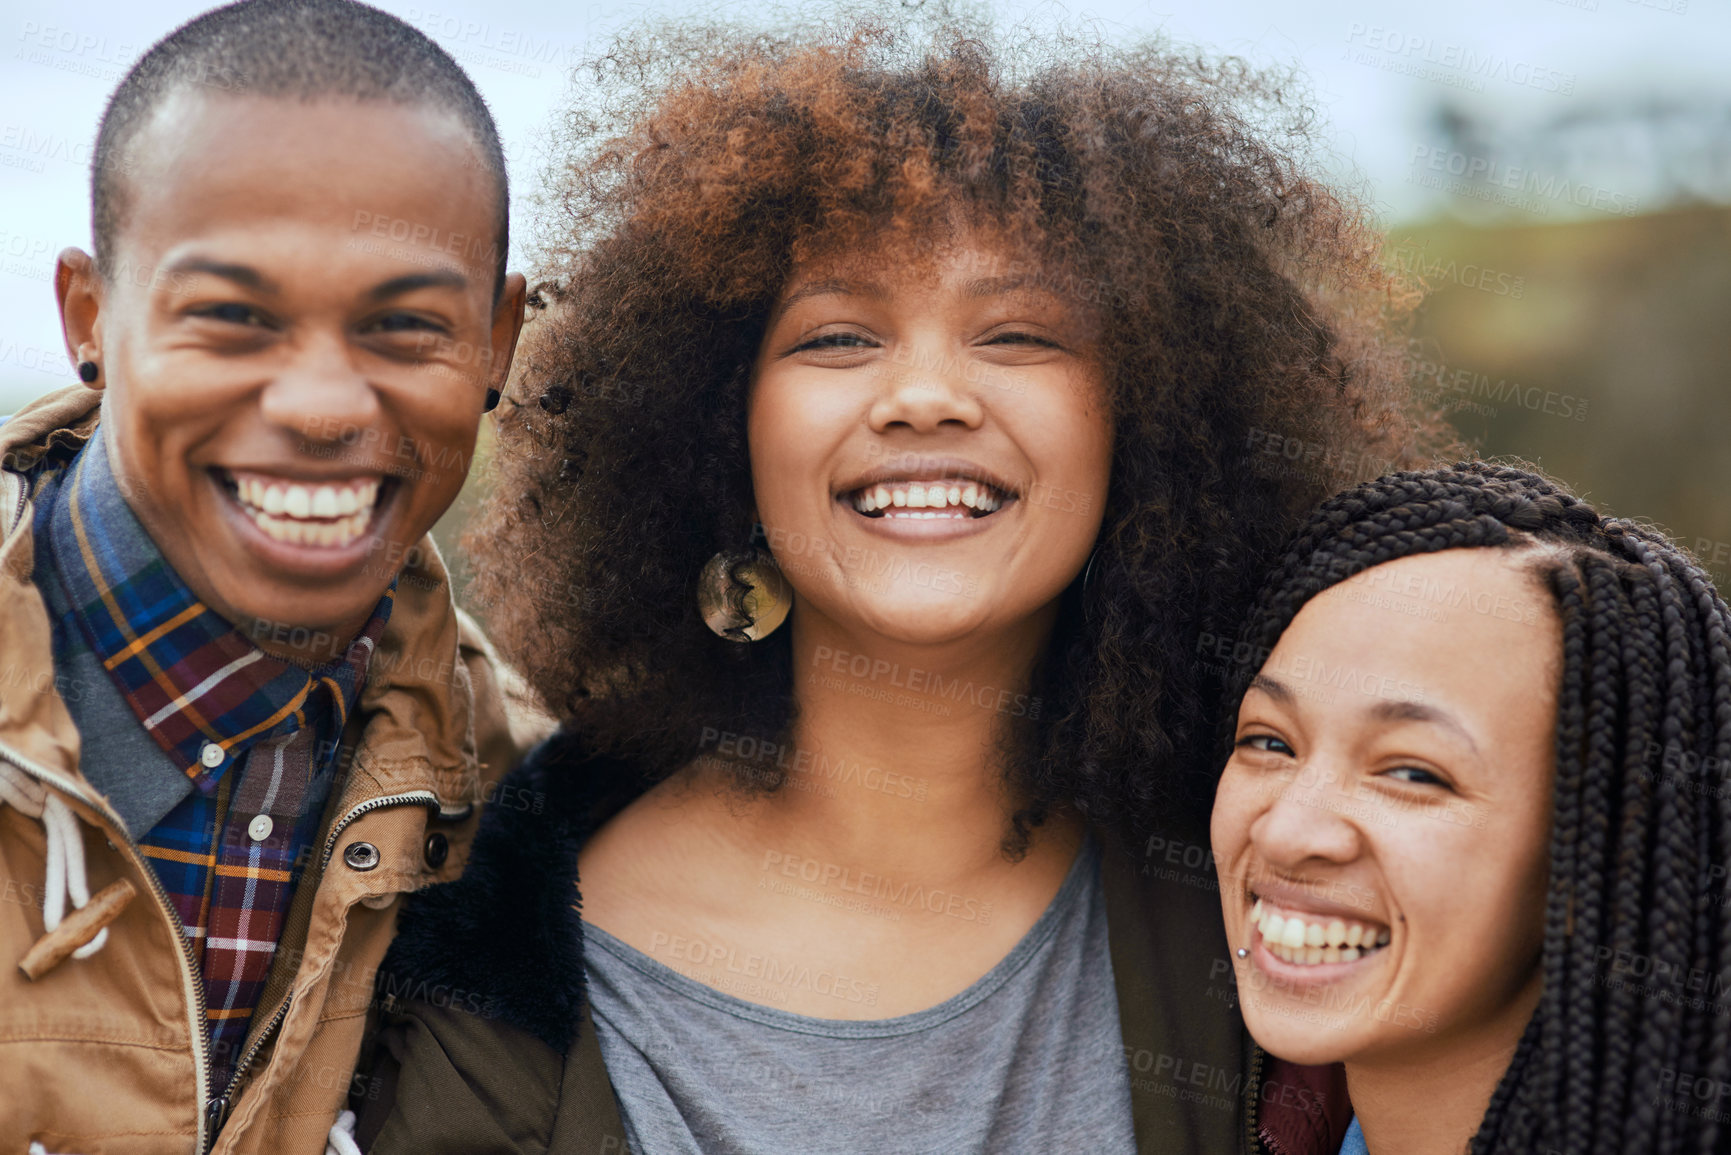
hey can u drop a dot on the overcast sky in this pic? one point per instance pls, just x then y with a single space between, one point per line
1379 71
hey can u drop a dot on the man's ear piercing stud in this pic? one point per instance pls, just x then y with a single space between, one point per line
1242 952
87 371
492 400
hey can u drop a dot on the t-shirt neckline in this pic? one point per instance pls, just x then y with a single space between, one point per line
1080 874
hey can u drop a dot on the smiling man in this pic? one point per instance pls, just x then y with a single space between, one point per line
229 735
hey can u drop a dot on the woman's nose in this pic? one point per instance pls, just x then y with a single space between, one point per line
1309 818
923 388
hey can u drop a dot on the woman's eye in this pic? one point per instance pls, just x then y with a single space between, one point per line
1022 339
1417 775
834 341
231 313
1267 743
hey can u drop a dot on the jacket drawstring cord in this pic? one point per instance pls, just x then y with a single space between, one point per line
66 877
341 1140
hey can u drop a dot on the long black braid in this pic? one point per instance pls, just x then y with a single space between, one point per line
1629 1050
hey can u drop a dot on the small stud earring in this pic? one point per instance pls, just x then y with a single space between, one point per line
88 372
743 596
1242 952
492 400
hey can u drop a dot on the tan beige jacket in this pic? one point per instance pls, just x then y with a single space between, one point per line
106 1054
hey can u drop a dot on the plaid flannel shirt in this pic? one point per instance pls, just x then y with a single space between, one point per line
256 735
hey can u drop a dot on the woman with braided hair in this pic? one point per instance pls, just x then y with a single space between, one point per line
1472 831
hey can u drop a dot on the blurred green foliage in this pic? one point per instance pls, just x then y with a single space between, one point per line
1597 350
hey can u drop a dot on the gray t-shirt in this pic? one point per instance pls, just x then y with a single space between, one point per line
1027 1059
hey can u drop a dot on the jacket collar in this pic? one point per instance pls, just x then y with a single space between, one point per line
419 736
191 678
34 723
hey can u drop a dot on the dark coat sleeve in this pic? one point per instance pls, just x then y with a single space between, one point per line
447 1081
482 991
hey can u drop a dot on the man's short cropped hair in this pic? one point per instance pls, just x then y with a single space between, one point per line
296 50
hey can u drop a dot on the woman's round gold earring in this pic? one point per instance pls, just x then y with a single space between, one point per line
742 595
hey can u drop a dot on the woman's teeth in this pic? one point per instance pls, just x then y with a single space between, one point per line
928 499
302 514
1308 942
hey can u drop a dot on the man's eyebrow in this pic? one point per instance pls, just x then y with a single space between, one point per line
243 275
408 283
1406 710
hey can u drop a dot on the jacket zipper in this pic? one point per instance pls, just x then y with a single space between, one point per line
1251 1099
425 797
191 982
217 1112
23 500
218 1109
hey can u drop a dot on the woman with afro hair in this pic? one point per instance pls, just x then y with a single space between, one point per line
902 420
1472 833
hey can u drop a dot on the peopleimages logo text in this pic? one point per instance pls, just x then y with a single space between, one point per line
1497 174
1461 58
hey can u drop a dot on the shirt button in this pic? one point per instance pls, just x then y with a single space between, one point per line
211 755
260 827
438 848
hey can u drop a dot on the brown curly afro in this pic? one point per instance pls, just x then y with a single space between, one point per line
1241 303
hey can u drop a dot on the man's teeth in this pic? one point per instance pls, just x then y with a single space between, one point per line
1308 942
932 495
303 514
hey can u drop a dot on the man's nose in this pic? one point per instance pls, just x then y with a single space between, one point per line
321 394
